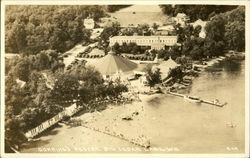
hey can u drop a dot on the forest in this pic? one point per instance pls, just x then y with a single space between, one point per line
31 29
225 31
113 8
195 12
37 84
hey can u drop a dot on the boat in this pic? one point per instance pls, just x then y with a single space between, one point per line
192 99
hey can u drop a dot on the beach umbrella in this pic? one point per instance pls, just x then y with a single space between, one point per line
112 64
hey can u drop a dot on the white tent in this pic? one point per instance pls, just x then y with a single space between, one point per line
166 66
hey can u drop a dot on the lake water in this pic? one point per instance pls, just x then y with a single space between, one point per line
170 122
203 128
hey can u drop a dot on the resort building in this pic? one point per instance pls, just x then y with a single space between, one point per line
181 18
89 23
155 42
113 64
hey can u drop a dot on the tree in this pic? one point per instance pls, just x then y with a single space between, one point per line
128 31
116 48
155 26
235 36
22 69
143 29
109 31
209 48
42 61
113 8
197 30
214 41
215 29
16 38
153 77
188 31
196 53
14 137
65 89
196 12
31 29
183 60
176 73
167 9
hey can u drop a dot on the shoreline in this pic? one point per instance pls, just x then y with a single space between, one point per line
91 118
88 121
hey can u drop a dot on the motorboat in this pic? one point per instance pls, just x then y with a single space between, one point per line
192 99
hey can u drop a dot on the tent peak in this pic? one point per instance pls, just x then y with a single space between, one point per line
111 52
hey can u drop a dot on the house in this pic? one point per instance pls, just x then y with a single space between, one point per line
155 42
89 23
202 34
181 19
20 83
167 28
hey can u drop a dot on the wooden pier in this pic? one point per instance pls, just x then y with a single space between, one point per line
201 100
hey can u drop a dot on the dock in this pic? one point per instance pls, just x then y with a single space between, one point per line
201 100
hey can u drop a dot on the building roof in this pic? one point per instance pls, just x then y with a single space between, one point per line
111 64
180 15
202 23
20 83
199 22
144 37
167 28
89 20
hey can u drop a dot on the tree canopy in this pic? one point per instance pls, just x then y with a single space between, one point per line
30 29
195 12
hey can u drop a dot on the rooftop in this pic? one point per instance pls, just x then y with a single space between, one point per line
181 15
144 37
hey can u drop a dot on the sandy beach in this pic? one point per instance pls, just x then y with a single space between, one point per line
82 139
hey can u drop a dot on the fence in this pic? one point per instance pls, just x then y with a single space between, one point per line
69 111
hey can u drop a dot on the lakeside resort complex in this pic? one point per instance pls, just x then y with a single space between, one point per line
166 79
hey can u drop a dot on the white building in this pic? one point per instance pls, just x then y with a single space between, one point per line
165 30
155 42
181 18
202 34
89 23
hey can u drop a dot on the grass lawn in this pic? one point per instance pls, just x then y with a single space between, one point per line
137 14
